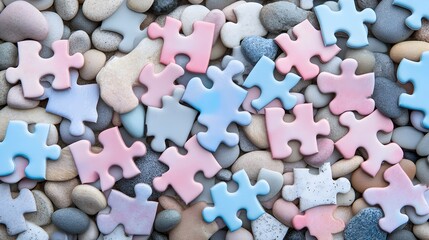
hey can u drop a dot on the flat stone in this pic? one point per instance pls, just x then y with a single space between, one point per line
254 47
345 166
97 10
16 99
386 96
411 50
253 162
44 209
79 42
407 137
274 179
256 131
70 220
60 193
67 9
88 199
167 220
62 169
364 225
9 53
384 66
106 41
281 16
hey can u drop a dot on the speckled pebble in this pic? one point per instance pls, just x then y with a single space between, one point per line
386 96
253 162
268 227
281 16
139 5
16 99
384 66
167 220
79 41
364 225
423 33
9 55
313 95
70 220
67 9
224 175
160 7
106 41
44 209
274 179
33 232
88 199
407 137
254 47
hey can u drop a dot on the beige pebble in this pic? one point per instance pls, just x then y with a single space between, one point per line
195 1
67 9
190 15
94 61
358 205
50 229
288 178
256 131
365 59
98 10
4 88
423 33
252 163
285 211
241 234
16 99
346 199
60 192
62 169
345 166
91 233
422 231
88 199
411 50
296 154
139 5
44 209
218 50
343 213
289 166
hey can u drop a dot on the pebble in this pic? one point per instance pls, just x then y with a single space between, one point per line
407 137
345 166
411 50
346 199
39 4
56 28
281 16
160 7
284 211
421 231
256 131
94 61
91 232
9 53
337 130
224 175
326 148
79 42
33 232
245 144
105 115
268 227
44 209
400 235
358 205
97 10
62 169
423 146
167 220
416 118
240 233
384 66
274 179
422 166
254 47
68 138
386 96
80 22
70 220
67 9
318 99
367 4
4 88
140 5
365 59
16 99
88 199
60 193
253 162
423 33
364 225
106 41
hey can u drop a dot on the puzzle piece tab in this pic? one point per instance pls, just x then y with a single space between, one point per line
135 214
93 166
352 92
226 204
403 192
347 20
182 169
197 46
419 9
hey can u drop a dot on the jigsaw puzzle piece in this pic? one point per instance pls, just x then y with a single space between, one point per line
237 54
419 9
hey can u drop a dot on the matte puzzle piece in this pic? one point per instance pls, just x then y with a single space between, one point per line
315 189
403 192
182 169
93 166
347 20
419 9
20 164
226 204
237 54
363 133
218 106
135 214
32 67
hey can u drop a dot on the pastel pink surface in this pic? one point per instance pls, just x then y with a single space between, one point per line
197 46
32 67
363 133
182 169
302 129
19 172
159 84
93 166
319 221
352 92
398 194
309 43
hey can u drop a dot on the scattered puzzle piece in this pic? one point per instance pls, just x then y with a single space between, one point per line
93 166
237 54
262 76
394 197
218 106
347 20
226 204
197 45
352 92
32 67
302 129
20 164
419 9
182 169
315 189
309 43
135 214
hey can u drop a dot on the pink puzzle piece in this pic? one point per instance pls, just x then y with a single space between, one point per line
92 167
183 169
352 92
319 221
159 84
32 67
363 133
309 44
394 197
303 129
197 46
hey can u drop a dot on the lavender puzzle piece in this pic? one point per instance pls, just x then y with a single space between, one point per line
238 55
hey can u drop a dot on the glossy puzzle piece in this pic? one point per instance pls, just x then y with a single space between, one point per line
218 106
403 192
182 169
309 44
419 9
135 214
32 67
159 84
227 205
31 145
197 46
302 129
352 92
363 133
262 76
173 121
308 188
93 166
347 20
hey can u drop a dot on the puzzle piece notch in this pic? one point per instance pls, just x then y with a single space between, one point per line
347 20
405 194
197 45
32 67
262 76
92 167
352 92
363 133
226 204
419 9
135 214
309 44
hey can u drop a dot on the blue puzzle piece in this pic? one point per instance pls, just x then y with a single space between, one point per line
262 76
419 9
347 20
226 204
30 145
218 106
416 73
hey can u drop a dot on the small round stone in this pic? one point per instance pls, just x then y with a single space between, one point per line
9 55
98 10
364 225
253 162
407 137
139 5
88 199
80 22
386 96
254 47
384 66
94 61
70 220
44 209
224 175
167 220
401 235
106 41
160 7
67 9
281 16
79 42
60 192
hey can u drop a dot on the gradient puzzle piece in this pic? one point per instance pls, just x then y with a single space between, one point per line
32 67
419 9
227 205
403 192
93 166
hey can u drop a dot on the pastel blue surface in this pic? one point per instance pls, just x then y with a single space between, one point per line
417 73
226 204
262 76
133 121
347 20
32 146
419 9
